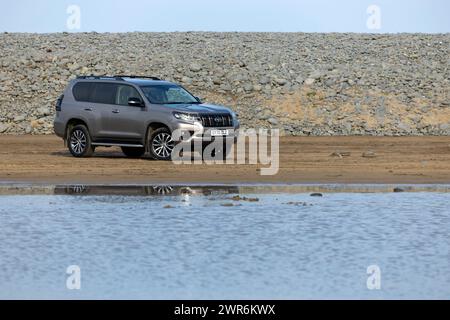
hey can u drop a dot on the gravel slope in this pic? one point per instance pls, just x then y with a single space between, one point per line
305 84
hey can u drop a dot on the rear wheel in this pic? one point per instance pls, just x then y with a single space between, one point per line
79 142
133 152
161 144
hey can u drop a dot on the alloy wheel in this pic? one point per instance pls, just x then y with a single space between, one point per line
78 141
163 145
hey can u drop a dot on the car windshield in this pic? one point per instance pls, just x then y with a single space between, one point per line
168 94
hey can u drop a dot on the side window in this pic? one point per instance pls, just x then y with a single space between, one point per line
104 93
82 91
125 92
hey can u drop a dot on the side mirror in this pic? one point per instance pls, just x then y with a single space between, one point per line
198 99
135 102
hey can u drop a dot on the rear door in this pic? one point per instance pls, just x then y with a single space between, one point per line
90 111
102 104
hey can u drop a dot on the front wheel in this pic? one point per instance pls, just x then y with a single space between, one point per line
133 152
161 144
79 142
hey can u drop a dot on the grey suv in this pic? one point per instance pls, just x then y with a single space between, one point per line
136 113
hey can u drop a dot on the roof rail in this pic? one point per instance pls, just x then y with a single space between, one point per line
137 77
99 77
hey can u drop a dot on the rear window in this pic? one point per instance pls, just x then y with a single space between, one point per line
104 93
82 91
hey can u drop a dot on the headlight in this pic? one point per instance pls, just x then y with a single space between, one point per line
185 117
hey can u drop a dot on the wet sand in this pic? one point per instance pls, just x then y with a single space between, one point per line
411 160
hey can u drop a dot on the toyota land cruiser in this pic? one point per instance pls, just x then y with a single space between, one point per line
138 114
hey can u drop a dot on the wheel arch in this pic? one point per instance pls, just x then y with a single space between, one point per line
152 126
72 123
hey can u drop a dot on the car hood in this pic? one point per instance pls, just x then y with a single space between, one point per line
200 108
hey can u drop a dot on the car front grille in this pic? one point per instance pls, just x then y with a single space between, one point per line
216 120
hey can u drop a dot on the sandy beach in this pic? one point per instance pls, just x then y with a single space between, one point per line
418 160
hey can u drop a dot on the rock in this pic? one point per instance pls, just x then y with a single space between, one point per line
309 81
34 124
19 118
316 194
239 198
43 111
3 127
298 203
227 205
257 87
273 121
186 80
264 80
281 81
217 81
248 86
399 190
369 154
299 79
340 154
316 75
404 127
195 67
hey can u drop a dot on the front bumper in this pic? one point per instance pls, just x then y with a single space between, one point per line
196 132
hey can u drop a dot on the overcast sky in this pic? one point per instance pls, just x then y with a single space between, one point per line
430 16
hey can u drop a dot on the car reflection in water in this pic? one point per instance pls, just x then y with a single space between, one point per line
161 190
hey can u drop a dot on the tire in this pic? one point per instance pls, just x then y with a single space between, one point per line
133 152
161 144
79 142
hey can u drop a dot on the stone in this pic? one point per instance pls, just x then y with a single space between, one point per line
369 154
272 121
195 67
309 81
316 194
299 79
248 86
264 80
340 154
186 80
3 127
281 81
43 111
19 118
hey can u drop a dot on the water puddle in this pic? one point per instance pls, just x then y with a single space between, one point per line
225 242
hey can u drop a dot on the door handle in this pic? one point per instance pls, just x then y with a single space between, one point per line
115 111
88 109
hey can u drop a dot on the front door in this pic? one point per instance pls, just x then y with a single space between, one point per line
126 122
